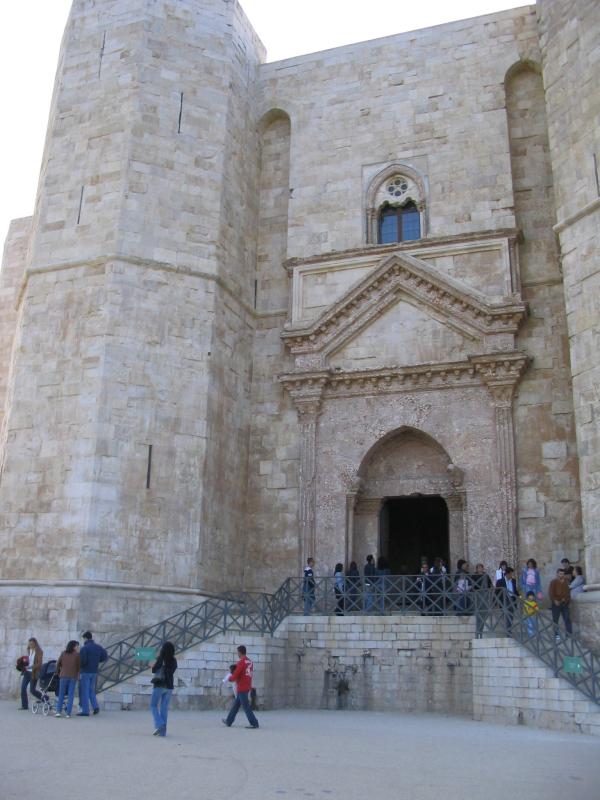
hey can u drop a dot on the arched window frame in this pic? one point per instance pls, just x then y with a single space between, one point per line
377 197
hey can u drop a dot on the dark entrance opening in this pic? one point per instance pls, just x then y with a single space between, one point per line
412 529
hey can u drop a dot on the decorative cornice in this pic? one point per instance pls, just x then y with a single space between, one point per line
500 372
462 308
375 250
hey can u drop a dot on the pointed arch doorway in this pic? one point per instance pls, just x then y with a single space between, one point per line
411 503
413 529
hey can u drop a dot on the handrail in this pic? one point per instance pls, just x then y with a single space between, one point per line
494 610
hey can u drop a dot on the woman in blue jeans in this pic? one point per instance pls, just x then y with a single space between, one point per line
67 667
163 669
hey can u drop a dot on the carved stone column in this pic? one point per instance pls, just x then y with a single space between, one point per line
308 412
458 536
351 498
306 394
501 380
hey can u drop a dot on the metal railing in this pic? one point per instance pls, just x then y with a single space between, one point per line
494 611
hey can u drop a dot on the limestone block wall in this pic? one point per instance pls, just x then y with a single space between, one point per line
375 663
416 97
510 686
127 438
549 514
11 277
57 611
272 549
569 34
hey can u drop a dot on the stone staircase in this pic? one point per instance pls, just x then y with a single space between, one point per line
397 663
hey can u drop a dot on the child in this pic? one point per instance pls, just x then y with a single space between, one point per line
226 679
531 608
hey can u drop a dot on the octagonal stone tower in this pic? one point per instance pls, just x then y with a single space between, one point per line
134 343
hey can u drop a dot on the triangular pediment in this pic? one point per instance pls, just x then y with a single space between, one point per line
402 277
404 334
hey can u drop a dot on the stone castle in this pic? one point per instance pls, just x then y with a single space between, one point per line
342 303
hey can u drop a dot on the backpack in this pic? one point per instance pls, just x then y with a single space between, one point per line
22 663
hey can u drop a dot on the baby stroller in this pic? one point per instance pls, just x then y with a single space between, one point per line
48 682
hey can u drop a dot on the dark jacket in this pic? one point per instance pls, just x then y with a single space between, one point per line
91 655
169 671
501 584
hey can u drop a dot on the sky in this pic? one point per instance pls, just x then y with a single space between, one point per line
31 30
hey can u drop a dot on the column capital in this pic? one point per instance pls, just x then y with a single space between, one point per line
501 374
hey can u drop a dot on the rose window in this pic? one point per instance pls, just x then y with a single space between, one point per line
397 186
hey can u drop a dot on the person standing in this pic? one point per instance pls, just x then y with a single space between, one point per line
531 608
530 579
91 656
369 575
163 670
462 587
35 656
382 571
242 676
577 585
67 668
352 588
509 597
482 597
568 568
500 572
338 588
560 597
309 586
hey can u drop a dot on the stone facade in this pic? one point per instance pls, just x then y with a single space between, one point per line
404 664
211 367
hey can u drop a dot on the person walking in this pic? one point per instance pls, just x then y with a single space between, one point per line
560 597
91 656
67 668
31 673
242 676
309 586
163 671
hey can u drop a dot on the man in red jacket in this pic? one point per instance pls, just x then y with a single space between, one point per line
242 676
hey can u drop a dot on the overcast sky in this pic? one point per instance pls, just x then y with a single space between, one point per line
31 30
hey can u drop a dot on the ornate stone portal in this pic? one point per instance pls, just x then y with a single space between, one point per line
462 405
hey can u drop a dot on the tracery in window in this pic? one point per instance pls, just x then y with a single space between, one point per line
395 205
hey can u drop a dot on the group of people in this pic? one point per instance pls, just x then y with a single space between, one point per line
73 667
81 667
567 583
354 592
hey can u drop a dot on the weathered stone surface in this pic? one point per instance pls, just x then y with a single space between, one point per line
211 369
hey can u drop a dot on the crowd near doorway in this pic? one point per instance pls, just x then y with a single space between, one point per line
412 529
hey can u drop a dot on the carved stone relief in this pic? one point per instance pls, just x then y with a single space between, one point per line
419 395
